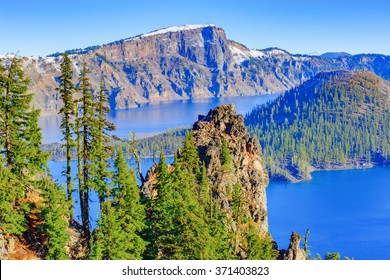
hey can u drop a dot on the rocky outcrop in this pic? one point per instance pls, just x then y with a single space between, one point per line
3 247
184 62
247 170
294 251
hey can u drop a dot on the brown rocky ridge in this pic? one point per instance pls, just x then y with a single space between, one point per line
185 62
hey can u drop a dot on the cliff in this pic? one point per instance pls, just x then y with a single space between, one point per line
183 62
248 169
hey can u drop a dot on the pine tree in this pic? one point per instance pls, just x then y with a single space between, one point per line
189 158
66 90
16 134
221 238
19 143
87 124
259 248
55 215
79 150
24 166
130 213
205 193
178 221
12 218
226 158
101 147
122 218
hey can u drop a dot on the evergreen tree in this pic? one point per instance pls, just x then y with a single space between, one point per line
226 158
205 193
259 248
101 147
218 226
20 144
55 215
178 221
122 219
87 125
79 149
66 90
130 213
12 218
189 158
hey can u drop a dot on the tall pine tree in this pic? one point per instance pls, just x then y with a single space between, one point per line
87 126
177 220
101 146
20 140
122 218
55 214
66 90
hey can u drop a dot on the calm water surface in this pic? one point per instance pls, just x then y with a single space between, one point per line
155 118
347 211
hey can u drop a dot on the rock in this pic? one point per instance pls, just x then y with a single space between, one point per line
248 165
294 251
3 247
11 245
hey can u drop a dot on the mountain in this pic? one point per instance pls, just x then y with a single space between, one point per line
335 54
336 120
183 62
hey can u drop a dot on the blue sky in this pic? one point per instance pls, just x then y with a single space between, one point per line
299 26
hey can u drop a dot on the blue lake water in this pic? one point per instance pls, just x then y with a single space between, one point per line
158 117
347 211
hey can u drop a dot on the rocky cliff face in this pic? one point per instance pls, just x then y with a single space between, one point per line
183 62
248 169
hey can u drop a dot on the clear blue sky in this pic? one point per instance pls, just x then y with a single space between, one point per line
300 26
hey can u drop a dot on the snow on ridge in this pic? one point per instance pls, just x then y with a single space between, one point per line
276 52
238 55
256 53
242 55
177 29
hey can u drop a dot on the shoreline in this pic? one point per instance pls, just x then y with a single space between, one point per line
351 166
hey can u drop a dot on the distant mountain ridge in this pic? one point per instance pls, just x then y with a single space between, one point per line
335 54
185 62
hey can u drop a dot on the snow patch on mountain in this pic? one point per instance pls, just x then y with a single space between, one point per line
177 29
239 55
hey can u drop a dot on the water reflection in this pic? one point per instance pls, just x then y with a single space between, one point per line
155 118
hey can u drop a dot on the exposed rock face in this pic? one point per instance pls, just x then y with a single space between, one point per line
3 247
185 62
294 251
245 172
248 167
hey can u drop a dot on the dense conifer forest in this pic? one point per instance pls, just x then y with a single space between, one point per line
336 120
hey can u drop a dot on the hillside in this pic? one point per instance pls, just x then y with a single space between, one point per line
184 62
335 120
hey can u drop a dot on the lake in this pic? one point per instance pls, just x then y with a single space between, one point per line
155 118
347 211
